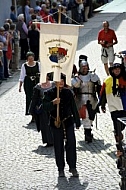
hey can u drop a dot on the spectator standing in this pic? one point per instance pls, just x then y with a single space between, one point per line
48 4
8 20
4 39
90 9
38 17
69 11
15 47
54 11
40 115
80 10
33 35
1 63
23 33
107 38
74 10
37 8
86 10
64 128
28 11
35 19
101 2
9 48
20 10
45 14
63 15
29 77
13 16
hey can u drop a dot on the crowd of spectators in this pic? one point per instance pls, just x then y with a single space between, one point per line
21 26
7 40
73 11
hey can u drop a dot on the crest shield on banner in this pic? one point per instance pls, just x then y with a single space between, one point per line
58 43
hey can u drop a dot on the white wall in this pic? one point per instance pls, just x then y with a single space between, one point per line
4 10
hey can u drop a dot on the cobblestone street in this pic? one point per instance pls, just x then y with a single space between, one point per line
25 164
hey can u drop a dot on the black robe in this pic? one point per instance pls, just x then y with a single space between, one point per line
42 119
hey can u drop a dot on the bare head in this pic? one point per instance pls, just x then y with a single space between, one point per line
105 25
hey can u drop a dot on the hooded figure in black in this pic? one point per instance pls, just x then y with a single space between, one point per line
63 126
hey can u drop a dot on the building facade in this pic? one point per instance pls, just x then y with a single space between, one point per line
5 8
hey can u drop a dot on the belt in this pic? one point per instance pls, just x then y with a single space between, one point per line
32 77
63 119
63 125
106 47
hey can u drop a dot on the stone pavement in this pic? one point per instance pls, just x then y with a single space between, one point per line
25 164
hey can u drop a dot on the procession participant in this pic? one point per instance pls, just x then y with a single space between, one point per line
86 86
123 56
107 38
113 92
41 116
63 128
29 77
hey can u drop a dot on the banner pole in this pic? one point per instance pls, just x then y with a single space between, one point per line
59 15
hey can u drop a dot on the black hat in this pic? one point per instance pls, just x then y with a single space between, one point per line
116 65
63 76
50 76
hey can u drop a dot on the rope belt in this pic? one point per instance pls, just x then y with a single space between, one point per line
63 119
62 122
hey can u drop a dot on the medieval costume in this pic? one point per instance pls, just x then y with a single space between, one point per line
113 92
41 116
86 86
64 128
29 76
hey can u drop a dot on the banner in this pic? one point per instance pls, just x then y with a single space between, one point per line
58 43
